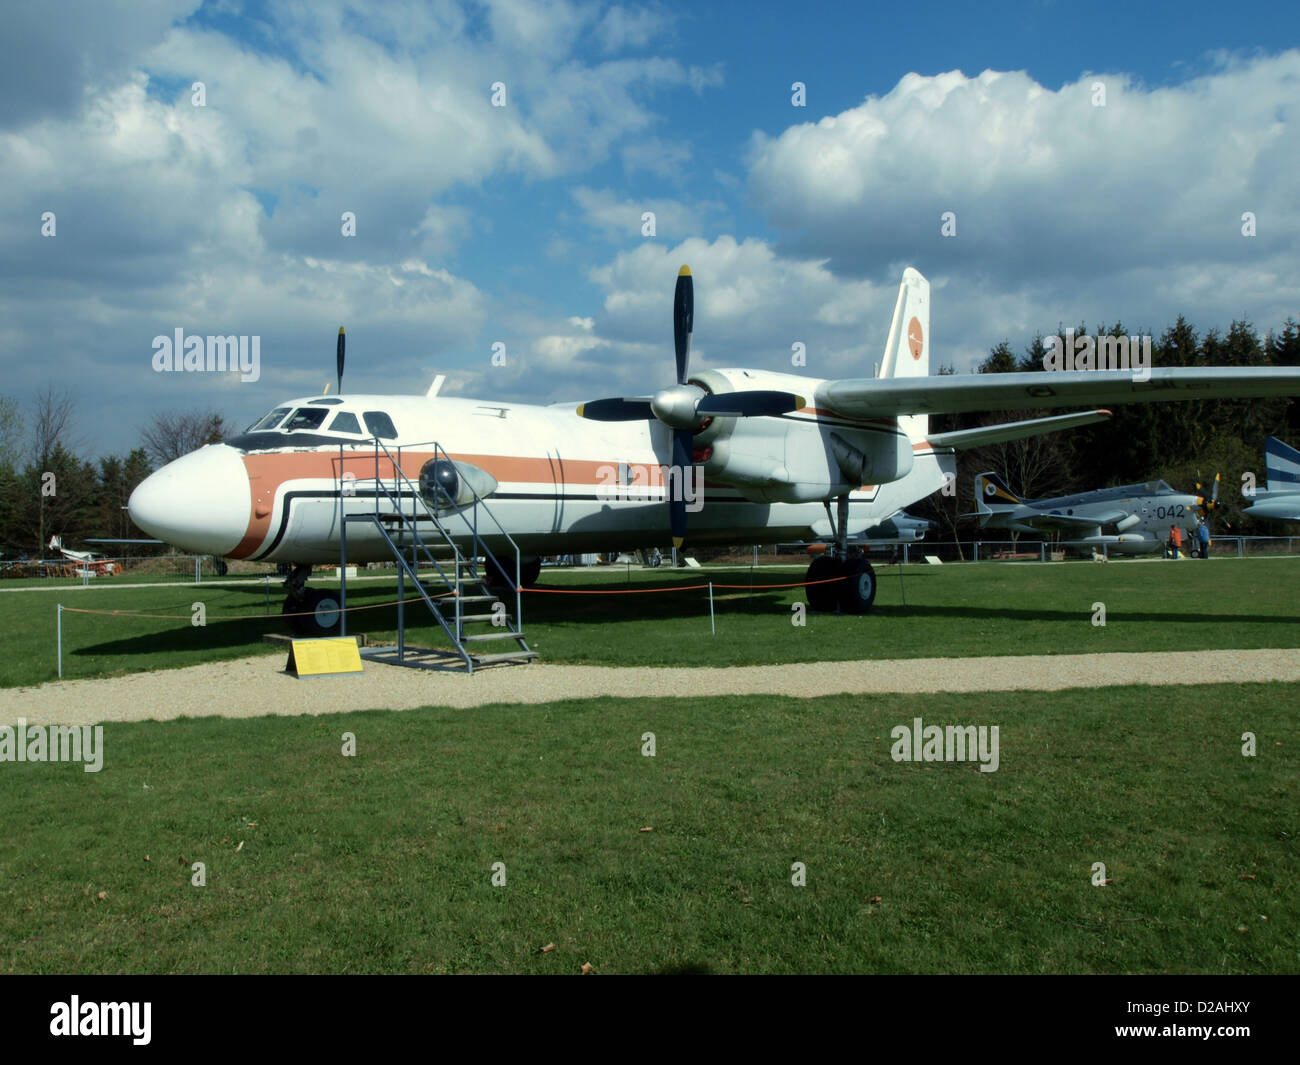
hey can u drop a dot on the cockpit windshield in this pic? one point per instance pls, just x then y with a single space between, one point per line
305 418
268 421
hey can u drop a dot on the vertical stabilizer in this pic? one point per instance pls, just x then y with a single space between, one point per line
1282 465
907 351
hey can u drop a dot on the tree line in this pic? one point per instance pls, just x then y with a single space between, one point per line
48 488
1178 442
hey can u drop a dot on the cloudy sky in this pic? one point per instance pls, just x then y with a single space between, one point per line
1098 159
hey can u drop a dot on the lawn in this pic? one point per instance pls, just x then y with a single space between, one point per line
951 611
383 862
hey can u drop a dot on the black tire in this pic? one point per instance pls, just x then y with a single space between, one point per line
500 574
324 616
823 598
530 569
858 591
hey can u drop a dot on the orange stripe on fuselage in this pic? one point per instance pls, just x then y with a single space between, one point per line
269 471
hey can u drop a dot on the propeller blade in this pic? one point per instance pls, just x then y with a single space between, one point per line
749 404
1214 494
683 321
627 409
338 359
682 461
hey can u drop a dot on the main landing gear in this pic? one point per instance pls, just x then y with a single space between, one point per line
312 612
855 589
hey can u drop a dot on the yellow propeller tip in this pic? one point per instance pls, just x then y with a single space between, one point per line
340 330
800 403
677 543
581 408
685 271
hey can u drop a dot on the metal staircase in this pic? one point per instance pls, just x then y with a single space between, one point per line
445 540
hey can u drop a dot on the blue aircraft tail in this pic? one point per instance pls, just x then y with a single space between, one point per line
1282 464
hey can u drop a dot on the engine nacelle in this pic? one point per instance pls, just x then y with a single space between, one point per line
793 459
1127 523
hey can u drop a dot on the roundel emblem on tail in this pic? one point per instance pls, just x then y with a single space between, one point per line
989 489
915 337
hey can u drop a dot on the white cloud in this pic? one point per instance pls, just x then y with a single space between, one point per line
1042 182
620 219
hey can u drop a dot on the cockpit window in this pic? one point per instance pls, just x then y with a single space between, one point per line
345 422
303 418
380 424
270 421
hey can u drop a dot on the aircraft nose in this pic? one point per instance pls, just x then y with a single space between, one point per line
199 503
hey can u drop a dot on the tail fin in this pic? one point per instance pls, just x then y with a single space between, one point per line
1282 463
907 351
990 488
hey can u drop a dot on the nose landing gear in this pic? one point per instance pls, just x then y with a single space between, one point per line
311 612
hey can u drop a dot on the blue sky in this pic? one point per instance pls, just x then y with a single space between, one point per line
521 224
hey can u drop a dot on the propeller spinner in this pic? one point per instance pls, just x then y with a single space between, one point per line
685 407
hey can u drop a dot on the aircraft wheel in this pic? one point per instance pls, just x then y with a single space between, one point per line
501 578
858 591
823 597
324 616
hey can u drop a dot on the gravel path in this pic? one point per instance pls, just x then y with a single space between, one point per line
251 687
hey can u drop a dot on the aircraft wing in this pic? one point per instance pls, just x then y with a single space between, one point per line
879 397
1071 523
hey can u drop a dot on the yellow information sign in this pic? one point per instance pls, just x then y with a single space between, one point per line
321 658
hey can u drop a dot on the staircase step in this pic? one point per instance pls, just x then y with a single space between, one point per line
515 656
480 617
479 598
492 636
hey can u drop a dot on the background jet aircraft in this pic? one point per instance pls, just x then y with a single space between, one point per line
89 563
1280 500
902 528
1140 513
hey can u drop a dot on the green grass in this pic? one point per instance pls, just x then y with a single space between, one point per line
951 611
382 862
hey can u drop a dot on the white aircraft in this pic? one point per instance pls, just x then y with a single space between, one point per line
89 564
1141 514
1280 499
773 451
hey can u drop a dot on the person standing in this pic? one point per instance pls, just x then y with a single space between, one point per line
1175 540
1203 538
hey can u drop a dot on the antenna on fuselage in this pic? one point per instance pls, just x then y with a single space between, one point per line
338 359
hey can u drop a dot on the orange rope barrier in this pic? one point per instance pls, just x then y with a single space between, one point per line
449 595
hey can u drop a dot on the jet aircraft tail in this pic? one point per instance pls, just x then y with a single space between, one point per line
1282 464
991 489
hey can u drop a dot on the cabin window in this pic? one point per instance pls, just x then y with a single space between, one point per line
269 421
380 425
305 419
345 422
